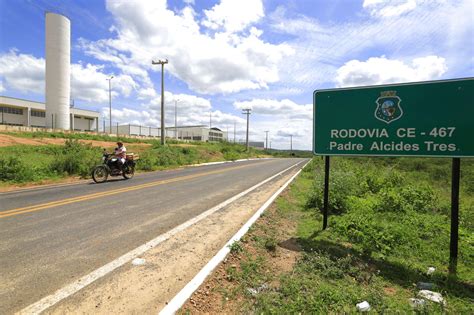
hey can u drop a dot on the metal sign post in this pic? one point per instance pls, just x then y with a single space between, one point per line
326 192
453 248
425 119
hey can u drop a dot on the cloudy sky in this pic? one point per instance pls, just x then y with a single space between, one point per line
225 55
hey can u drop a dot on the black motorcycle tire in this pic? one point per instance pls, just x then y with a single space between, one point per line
128 171
100 174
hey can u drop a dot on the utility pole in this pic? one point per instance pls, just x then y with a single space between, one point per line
176 119
266 139
110 103
210 119
162 63
246 111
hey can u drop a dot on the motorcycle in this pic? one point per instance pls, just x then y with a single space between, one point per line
111 166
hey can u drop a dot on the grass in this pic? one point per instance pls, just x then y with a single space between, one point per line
79 136
389 222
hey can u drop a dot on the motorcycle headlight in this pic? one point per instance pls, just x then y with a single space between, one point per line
103 158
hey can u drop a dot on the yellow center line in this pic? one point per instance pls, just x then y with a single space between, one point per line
12 212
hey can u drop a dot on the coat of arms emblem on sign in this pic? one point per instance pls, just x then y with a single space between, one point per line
388 107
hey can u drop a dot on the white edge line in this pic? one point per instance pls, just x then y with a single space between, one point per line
178 301
224 162
70 289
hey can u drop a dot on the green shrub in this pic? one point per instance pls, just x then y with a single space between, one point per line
15 170
369 232
231 156
166 156
324 265
75 159
390 199
420 198
342 185
271 244
409 198
147 162
236 247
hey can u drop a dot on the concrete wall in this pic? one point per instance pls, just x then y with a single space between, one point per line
201 134
37 122
81 123
15 119
142 131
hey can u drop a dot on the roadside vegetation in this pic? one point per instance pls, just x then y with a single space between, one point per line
22 163
389 222
78 136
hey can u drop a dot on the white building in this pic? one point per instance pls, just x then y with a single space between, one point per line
137 130
195 133
20 112
200 133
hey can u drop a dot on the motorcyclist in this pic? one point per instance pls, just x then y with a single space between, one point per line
120 153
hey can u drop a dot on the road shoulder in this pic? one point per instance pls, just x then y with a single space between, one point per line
168 267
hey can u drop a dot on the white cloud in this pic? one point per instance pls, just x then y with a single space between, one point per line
285 107
380 70
22 72
90 84
440 28
220 63
1 86
25 73
191 110
385 9
233 15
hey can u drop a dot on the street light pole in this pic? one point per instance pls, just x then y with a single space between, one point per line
110 102
246 111
266 139
210 119
162 63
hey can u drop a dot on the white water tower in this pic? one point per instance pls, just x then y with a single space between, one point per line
58 71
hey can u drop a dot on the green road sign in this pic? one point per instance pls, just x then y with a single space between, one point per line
433 118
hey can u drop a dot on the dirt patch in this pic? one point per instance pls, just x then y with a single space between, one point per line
183 145
169 266
390 291
8 140
221 294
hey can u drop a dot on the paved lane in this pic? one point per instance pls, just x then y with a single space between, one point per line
50 237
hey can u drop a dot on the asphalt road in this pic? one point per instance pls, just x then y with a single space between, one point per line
52 236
